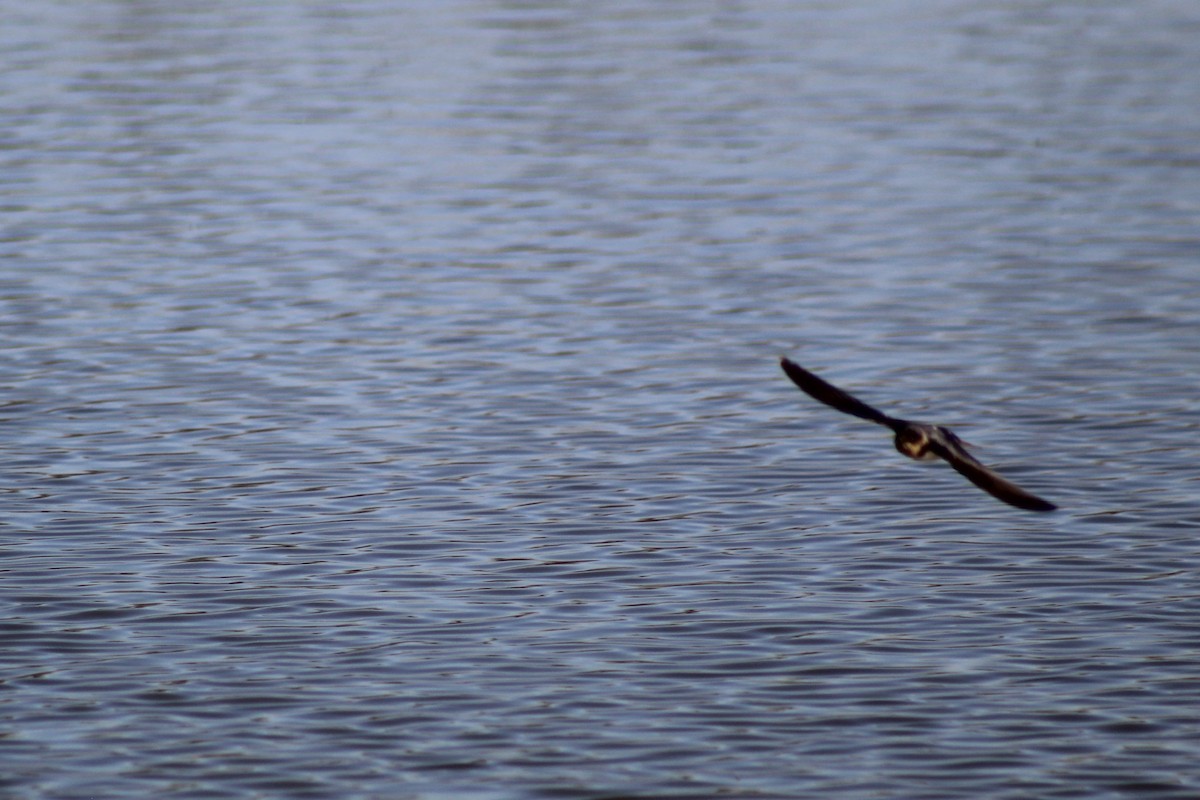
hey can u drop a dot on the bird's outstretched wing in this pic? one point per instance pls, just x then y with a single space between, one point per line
949 447
832 396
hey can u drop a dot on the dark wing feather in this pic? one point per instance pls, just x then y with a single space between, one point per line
830 395
952 450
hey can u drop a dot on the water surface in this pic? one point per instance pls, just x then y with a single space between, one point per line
391 405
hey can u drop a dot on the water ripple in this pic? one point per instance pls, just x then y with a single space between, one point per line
404 420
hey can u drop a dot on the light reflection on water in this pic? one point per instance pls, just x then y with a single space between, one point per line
392 404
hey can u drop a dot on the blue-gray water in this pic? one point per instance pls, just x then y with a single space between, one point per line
391 405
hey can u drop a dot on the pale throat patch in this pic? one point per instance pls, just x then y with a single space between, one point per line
915 445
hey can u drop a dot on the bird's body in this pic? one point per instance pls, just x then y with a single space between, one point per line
918 440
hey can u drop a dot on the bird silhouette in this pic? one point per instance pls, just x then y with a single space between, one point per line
918 440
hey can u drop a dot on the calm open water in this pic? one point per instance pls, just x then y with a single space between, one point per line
391 408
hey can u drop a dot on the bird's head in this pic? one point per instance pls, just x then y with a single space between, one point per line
913 442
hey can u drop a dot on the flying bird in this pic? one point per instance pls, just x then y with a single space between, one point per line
918 440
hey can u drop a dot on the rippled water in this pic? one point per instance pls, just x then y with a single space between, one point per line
391 407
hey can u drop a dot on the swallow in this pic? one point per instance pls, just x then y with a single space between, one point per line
919 441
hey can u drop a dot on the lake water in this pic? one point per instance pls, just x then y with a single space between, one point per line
391 403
